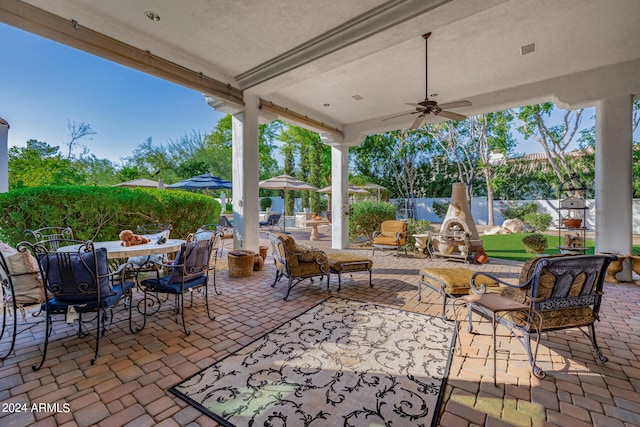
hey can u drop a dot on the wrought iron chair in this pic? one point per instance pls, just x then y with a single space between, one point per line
49 236
272 219
154 229
78 283
566 291
21 290
190 272
297 262
392 235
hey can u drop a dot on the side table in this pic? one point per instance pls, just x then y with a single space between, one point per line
497 308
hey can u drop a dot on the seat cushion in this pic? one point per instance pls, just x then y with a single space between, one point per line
456 280
190 260
386 241
337 262
61 306
165 285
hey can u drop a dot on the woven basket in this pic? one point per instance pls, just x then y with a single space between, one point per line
241 263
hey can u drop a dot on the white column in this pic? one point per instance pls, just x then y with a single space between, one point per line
4 156
339 197
613 184
245 176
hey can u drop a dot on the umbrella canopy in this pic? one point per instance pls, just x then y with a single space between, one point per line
285 182
142 182
375 187
202 182
351 189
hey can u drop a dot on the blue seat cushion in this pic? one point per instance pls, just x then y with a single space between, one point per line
61 306
165 285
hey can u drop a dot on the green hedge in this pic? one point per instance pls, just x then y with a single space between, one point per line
100 213
366 218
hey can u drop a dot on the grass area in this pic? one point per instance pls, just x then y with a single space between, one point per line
510 246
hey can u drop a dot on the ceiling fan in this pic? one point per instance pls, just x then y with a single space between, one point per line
428 106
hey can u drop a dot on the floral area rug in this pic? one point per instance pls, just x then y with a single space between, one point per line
341 363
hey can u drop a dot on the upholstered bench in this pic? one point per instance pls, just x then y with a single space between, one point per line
348 263
449 282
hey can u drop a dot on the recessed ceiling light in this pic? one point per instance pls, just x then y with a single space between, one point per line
357 97
152 15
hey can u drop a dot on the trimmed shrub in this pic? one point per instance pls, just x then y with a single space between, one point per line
100 213
535 243
265 203
519 211
538 221
366 218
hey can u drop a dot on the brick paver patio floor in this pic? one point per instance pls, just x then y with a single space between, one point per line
129 381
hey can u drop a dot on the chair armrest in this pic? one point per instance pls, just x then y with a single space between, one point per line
482 288
376 234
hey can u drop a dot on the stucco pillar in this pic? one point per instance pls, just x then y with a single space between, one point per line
245 176
613 184
339 196
4 156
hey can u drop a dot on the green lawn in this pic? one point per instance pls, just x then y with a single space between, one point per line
510 246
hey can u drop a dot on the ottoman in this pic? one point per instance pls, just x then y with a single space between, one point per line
450 282
348 263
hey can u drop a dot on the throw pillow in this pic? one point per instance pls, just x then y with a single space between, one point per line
191 261
25 276
82 265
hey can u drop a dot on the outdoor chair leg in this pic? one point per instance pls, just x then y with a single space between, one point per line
15 328
592 336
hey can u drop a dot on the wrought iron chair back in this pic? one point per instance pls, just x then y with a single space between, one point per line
153 228
190 272
77 283
50 237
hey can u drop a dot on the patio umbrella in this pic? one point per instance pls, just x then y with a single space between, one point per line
202 182
351 189
141 182
375 187
285 182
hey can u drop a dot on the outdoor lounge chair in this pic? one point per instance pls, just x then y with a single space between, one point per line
297 262
566 291
272 219
392 235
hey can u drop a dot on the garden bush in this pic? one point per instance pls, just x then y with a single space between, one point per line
539 221
100 213
416 226
512 212
535 243
366 218
265 203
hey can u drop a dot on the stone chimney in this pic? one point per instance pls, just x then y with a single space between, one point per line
458 220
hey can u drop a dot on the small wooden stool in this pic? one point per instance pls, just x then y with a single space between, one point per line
449 282
345 262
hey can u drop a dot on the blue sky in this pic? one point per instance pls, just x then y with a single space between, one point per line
43 84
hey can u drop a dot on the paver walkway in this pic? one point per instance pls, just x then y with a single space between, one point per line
128 384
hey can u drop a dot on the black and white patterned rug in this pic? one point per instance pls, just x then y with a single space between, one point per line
341 363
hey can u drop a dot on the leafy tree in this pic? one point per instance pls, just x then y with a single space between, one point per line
39 164
553 138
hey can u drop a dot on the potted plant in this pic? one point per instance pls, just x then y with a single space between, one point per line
536 243
265 204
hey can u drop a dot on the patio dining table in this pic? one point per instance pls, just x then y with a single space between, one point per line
115 250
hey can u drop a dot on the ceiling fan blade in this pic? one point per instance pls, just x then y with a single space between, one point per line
412 104
451 115
457 104
398 115
418 121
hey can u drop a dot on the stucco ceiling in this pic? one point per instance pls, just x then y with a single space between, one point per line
318 57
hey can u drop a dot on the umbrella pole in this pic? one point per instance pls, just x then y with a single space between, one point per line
284 223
